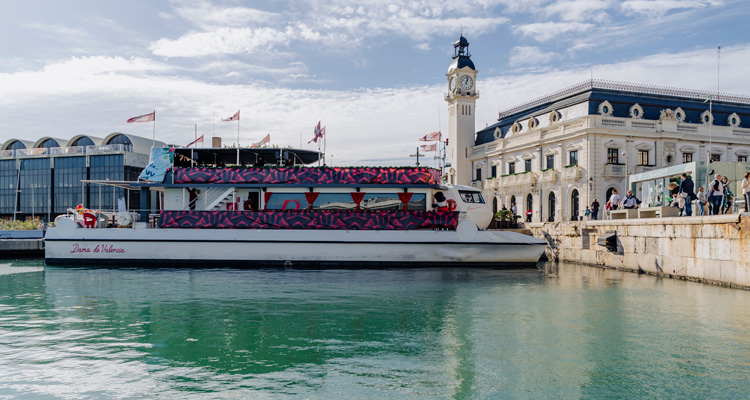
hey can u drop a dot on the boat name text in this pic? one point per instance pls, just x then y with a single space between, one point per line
99 248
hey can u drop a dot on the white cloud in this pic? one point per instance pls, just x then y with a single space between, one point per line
209 16
660 7
222 41
526 56
545 31
94 95
580 10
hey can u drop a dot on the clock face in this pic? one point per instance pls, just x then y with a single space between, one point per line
452 84
466 82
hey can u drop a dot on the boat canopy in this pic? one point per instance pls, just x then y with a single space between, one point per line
185 157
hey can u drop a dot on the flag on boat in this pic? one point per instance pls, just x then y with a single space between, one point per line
430 137
160 161
265 140
429 147
234 117
143 118
199 140
318 133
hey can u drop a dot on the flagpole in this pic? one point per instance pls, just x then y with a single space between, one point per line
238 138
153 141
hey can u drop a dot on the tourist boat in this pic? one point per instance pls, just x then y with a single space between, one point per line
289 216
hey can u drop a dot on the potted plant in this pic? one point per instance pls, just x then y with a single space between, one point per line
504 217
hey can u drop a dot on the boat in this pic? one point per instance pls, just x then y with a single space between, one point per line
289 214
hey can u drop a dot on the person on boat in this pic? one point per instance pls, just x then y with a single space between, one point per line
249 204
192 197
441 203
261 162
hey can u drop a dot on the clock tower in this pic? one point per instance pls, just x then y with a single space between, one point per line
462 97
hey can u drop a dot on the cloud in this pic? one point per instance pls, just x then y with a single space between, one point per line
94 95
222 41
525 56
661 7
580 10
545 31
209 16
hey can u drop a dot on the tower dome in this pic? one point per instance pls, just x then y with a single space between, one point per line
461 55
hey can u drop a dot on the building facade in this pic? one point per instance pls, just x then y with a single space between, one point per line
43 179
556 154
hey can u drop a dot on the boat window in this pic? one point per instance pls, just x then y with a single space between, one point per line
470 197
343 201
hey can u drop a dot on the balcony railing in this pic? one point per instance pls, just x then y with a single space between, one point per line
6 153
32 152
548 176
67 150
107 148
615 170
571 173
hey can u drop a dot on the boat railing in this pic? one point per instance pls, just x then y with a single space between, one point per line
207 199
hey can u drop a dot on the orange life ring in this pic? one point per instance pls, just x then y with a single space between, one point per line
451 204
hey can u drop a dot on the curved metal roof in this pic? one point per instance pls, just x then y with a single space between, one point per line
29 144
460 62
140 144
97 140
60 142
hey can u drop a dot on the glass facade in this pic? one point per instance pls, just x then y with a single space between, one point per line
8 185
49 143
69 171
36 186
122 139
102 168
83 141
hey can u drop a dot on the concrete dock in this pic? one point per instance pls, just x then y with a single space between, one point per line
710 249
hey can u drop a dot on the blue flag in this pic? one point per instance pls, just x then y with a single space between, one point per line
159 163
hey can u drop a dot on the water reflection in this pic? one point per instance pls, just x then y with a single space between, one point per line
562 331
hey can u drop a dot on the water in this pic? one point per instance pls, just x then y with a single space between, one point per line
564 331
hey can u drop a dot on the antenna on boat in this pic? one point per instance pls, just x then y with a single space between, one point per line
416 155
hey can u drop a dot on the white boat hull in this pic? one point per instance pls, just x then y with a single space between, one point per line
288 248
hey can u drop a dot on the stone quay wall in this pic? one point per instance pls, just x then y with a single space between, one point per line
711 249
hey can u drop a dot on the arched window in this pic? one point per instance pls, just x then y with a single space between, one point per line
83 141
529 202
49 143
122 139
574 206
17 145
551 205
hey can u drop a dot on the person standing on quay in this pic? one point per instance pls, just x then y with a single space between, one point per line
595 210
528 215
715 194
614 200
728 198
701 201
688 187
746 191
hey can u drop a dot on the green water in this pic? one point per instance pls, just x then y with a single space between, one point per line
563 331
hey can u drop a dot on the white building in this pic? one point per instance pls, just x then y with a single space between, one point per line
558 153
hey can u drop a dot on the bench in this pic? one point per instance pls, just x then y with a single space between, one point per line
658 212
629 213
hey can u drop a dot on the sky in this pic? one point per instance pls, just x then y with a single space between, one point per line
372 71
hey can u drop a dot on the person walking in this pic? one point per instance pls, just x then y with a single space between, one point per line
614 200
630 201
688 188
715 194
701 201
746 191
587 213
595 210
728 199
529 213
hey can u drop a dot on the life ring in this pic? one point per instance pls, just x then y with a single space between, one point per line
451 204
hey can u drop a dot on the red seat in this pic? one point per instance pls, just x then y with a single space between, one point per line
89 220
